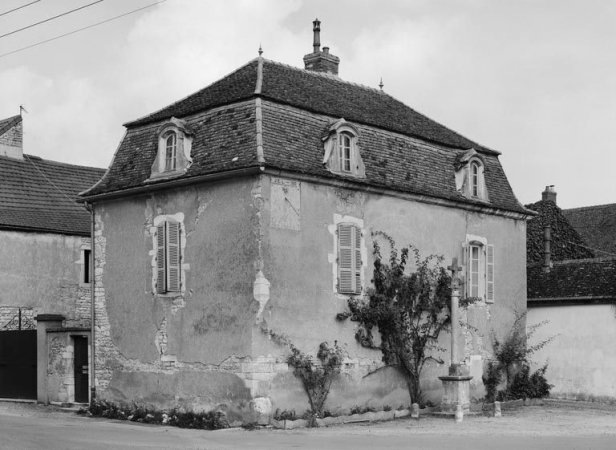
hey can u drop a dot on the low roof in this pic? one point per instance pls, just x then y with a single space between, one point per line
596 225
573 281
39 195
401 148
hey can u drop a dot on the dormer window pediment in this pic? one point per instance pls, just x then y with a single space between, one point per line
469 172
173 153
342 150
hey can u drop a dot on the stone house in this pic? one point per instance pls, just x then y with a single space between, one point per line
45 297
571 287
250 205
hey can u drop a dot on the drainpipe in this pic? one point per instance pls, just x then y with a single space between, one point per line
547 253
90 207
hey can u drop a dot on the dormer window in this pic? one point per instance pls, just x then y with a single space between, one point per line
341 145
173 155
469 169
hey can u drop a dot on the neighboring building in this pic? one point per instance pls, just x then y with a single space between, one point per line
45 267
250 204
573 291
597 226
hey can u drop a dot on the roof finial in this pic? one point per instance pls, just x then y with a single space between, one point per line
22 108
381 84
316 28
260 50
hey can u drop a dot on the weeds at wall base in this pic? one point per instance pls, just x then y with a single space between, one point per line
210 420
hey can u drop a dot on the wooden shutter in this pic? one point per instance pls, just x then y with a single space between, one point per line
490 273
357 265
349 259
466 277
161 263
173 256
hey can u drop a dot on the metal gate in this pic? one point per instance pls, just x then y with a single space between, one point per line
18 357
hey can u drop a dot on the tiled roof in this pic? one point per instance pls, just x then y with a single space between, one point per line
402 149
316 92
596 225
566 243
30 197
583 280
7 124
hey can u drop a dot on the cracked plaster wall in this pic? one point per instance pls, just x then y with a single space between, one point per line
302 302
187 348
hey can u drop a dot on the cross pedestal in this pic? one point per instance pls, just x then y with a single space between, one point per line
456 385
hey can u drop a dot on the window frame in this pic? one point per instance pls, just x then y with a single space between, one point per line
340 138
171 162
483 286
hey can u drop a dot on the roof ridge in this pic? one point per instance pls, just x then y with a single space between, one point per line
323 75
480 148
38 159
127 124
581 208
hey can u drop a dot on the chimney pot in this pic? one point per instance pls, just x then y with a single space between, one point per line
320 61
549 194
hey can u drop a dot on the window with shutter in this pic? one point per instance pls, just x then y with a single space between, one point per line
168 257
349 259
479 260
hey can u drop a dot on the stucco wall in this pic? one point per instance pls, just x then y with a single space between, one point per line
42 272
177 350
261 257
303 303
582 357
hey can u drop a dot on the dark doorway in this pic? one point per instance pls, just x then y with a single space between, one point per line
18 364
81 369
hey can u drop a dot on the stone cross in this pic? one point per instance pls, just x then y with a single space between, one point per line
455 321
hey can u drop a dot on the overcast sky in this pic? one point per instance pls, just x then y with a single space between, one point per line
535 80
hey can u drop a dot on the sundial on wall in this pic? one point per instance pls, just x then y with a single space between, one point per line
285 204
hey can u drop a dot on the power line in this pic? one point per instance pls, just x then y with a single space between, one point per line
51 182
19 7
51 18
82 29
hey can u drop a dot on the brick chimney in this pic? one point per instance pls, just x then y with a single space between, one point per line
320 61
549 194
11 138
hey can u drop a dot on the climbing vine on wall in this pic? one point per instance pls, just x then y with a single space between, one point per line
316 375
410 308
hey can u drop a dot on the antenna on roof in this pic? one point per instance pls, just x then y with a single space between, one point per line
21 108
381 84
260 50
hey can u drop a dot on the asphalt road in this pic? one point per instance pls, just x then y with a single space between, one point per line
529 428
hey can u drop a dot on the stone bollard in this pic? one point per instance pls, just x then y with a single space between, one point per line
414 411
459 414
497 409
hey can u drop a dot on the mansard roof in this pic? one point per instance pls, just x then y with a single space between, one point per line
401 148
39 195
